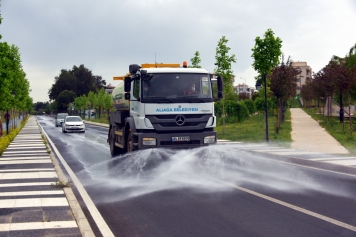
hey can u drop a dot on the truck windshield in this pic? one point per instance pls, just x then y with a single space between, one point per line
177 87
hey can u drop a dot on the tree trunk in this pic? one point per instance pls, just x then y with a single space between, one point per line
223 117
350 118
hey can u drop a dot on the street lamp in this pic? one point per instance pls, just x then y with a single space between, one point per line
258 86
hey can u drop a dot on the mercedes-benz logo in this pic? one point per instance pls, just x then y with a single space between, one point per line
180 120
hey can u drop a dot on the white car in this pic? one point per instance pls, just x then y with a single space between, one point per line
73 124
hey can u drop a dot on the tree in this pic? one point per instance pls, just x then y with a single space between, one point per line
65 81
101 99
81 103
266 53
99 82
195 60
91 102
344 78
40 105
223 64
78 79
283 85
107 103
13 80
64 98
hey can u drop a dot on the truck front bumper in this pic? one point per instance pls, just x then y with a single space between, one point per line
169 140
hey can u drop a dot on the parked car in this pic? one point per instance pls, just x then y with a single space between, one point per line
73 124
60 119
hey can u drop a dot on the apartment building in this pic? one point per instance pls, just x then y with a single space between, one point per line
305 73
243 88
109 88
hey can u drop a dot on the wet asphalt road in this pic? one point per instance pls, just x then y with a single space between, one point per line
190 193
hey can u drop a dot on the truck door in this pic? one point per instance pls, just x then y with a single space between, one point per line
134 103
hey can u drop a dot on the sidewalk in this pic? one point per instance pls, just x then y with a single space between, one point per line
30 204
308 135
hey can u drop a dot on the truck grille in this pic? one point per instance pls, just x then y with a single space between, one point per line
185 122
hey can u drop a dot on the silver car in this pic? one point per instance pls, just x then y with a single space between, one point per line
60 119
73 124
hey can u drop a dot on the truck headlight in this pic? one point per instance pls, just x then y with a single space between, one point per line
148 141
209 139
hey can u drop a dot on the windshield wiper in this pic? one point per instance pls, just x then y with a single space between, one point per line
158 99
196 99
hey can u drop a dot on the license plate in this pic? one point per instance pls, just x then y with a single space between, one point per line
181 139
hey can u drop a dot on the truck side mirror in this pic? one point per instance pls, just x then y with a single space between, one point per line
220 87
127 96
133 68
127 84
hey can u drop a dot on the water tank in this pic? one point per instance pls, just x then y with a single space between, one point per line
118 97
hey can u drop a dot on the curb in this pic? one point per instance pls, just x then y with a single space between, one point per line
97 124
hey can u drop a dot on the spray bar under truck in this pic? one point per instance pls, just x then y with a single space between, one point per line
162 105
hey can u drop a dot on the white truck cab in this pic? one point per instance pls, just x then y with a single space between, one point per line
170 107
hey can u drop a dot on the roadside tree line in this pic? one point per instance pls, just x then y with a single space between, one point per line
334 82
73 83
14 86
100 101
275 74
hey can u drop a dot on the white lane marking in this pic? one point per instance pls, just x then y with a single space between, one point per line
24 158
342 162
28 193
26 145
27 170
100 222
292 153
309 167
17 152
26 184
25 162
37 225
285 204
33 139
28 175
30 139
333 158
34 202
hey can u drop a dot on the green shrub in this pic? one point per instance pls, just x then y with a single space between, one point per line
218 108
250 106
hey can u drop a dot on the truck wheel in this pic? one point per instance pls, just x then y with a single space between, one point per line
129 144
114 150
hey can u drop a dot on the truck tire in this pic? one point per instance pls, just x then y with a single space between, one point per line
129 142
114 150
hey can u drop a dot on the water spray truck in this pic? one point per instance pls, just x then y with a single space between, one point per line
163 106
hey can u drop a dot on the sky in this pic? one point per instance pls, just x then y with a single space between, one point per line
107 36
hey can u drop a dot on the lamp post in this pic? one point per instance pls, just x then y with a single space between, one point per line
258 86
